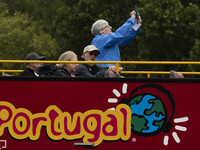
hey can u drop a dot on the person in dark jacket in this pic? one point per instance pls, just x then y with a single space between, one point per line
32 68
90 53
60 70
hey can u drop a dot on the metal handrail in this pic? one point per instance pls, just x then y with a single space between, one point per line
117 63
4 71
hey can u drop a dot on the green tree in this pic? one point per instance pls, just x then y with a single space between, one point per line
170 28
20 35
47 13
169 32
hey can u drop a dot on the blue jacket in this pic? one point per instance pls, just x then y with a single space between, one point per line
108 44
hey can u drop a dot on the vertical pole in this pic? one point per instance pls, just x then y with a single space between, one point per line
117 68
148 75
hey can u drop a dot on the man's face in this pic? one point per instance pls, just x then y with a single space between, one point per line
72 67
106 29
90 56
35 66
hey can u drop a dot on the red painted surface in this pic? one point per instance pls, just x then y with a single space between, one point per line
81 96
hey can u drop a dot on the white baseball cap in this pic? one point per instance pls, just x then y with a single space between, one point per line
90 48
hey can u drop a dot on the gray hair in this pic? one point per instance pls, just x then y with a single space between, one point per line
98 26
66 56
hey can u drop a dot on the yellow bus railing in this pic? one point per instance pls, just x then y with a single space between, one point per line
117 63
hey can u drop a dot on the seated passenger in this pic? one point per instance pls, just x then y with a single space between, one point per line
32 68
60 70
90 53
174 74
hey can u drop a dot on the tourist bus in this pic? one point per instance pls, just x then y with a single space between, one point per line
51 113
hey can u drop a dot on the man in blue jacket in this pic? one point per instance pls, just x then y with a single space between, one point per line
108 42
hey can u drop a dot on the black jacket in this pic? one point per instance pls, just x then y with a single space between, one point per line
53 70
28 72
84 70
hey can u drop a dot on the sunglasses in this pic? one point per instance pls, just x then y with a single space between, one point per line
93 53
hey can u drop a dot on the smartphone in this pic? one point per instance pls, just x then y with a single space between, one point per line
137 13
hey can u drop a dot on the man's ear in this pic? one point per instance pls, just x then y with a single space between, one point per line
101 32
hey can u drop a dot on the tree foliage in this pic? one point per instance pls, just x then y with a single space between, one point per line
170 28
20 35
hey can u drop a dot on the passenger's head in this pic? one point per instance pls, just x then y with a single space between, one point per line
68 56
34 56
90 53
101 27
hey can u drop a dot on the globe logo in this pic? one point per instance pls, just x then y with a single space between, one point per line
148 114
152 109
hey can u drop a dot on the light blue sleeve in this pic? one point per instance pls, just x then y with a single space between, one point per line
131 35
120 35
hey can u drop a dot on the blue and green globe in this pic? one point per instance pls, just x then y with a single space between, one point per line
148 114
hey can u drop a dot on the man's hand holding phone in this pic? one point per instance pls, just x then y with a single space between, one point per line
135 15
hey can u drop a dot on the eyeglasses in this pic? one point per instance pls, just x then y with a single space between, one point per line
107 27
93 53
